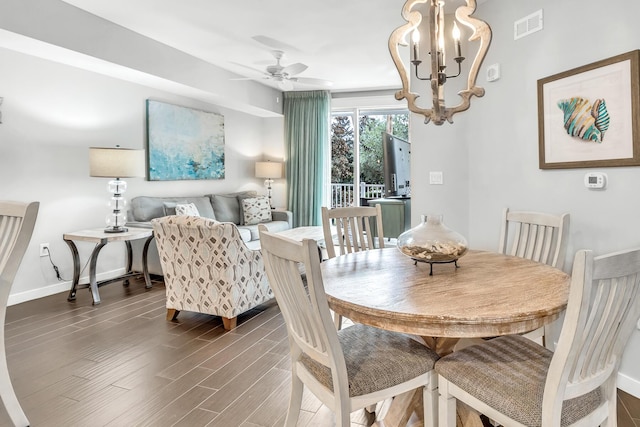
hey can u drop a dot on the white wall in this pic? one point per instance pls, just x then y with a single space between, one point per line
489 156
51 114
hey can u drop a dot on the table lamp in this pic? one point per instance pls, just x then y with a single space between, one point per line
270 171
116 163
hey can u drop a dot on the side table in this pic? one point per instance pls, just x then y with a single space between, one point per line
101 238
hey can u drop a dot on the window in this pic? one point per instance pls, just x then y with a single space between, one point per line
356 153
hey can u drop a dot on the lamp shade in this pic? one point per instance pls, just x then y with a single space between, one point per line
116 162
269 170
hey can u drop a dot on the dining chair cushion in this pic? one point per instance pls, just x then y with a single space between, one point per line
376 359
508 373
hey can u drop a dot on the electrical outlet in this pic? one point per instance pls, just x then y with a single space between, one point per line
44 249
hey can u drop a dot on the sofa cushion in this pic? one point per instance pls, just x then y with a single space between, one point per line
226 207
256 210
245 234
146 208
273 226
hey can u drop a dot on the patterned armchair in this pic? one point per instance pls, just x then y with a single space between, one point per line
208 268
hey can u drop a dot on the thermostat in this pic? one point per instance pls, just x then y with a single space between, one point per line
595 180
493 72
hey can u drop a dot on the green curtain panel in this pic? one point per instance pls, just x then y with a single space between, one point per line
307 118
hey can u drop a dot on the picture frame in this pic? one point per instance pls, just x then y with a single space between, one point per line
184 143
589 116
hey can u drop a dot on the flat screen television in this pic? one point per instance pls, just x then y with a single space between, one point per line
396 157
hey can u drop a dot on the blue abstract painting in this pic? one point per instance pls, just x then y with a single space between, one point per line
184 143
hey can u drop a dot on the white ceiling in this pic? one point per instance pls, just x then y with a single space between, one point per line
341 41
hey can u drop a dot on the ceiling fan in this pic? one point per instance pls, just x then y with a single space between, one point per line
285 76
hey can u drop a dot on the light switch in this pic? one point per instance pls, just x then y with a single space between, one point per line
435 178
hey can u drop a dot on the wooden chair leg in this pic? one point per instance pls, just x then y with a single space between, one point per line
7 392
172 314
430 398
229 323
295 402
447 414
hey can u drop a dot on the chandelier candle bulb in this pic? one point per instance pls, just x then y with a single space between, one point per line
456 38
441 34
415 37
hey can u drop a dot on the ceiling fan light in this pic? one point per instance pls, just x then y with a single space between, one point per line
280 74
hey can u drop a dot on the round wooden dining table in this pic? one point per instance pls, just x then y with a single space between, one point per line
488 294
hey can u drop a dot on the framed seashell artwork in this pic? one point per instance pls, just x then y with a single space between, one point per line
590 116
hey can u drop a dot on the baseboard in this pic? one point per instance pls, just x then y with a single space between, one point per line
629 385
57 288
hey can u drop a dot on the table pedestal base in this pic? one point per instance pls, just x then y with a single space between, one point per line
404 406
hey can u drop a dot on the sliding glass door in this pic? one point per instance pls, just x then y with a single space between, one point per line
357 164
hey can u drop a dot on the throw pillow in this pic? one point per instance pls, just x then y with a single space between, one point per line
227 207
187 209
169 208
256 210
241 197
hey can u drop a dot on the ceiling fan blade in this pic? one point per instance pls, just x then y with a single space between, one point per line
312 82
294 69
255 70
274 44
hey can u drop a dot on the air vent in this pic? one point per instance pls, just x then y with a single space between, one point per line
527 25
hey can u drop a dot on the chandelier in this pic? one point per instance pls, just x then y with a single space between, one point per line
437 56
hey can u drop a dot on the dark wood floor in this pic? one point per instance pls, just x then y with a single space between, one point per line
122 364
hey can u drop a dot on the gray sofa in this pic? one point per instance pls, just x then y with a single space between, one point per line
221 207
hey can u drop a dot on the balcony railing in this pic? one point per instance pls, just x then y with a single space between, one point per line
342 194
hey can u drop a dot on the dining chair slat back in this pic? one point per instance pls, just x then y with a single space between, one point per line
537 236
17 221
353 232
300 302
332 363
578 379
357 228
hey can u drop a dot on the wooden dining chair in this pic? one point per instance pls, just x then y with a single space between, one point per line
349 228
349 369
517 382
537 236
352 227
17 221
